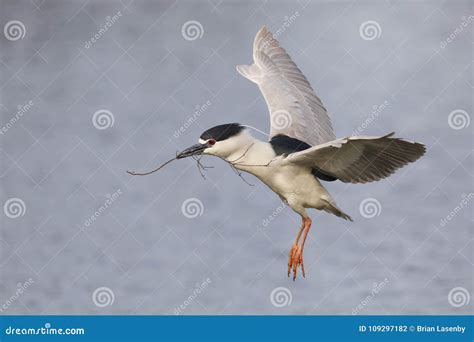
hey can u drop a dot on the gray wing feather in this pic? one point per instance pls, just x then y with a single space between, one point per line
294 108
359 159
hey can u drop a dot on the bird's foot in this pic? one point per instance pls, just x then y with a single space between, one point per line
295 259
293 249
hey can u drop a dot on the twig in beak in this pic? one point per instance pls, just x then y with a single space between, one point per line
238 173
201 167
133 173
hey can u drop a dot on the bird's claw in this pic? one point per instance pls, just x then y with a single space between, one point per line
295 259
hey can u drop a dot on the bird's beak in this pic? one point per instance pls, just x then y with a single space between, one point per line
192 151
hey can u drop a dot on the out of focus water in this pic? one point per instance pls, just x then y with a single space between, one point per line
150 256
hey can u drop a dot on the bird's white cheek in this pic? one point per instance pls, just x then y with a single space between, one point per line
213 151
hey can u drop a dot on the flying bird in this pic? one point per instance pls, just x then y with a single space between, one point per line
302 151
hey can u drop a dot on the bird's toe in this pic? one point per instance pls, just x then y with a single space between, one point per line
291 255
295 260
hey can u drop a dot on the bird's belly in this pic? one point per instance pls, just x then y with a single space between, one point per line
296 185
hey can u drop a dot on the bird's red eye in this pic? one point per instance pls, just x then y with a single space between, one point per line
211 142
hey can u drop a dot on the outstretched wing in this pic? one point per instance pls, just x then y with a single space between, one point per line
359 159
294 108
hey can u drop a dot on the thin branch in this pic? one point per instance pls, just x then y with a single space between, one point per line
240 174
202 168
243 155
133 173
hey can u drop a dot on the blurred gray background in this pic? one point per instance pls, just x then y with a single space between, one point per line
142 254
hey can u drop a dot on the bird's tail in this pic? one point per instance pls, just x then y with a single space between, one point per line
333 209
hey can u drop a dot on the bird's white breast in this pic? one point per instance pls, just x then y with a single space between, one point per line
295 184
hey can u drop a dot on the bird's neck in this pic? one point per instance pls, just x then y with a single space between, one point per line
252 154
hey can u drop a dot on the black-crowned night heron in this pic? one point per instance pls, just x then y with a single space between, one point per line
302 149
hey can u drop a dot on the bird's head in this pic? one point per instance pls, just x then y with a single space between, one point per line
221 141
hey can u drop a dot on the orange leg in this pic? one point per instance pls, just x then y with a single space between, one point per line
294 248
295 257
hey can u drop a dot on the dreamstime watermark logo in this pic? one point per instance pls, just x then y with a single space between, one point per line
192 208
370 207
464 23
199 110
14 208
459 296
21 110
377 287
111 198
280 297
281 119
370 30
103 119
192 30
461 205
21 288
103 296
288 21
459 119
376 111
200 287
14 30
46 330
109 22
267 220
